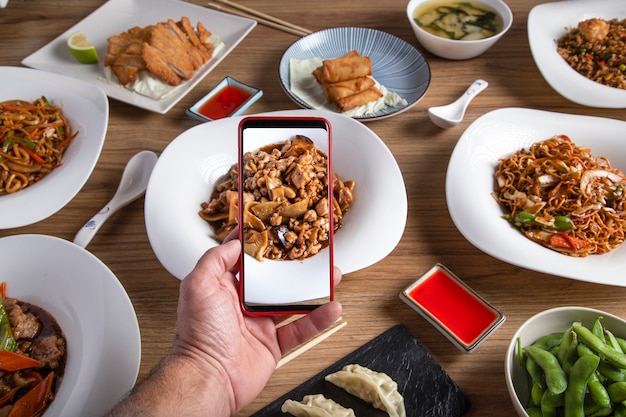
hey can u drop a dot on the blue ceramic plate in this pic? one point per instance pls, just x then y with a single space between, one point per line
395 63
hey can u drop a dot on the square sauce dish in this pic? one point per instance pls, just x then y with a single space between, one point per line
450 305
228 98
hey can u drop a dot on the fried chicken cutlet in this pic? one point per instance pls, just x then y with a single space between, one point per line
171 51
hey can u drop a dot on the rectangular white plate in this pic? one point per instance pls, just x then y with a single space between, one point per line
117 16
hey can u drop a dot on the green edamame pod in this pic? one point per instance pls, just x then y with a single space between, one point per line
550 400
536 393
535 372
594 343
581 371
617 391
598 392
598 329
549 341
622 343
556 379
601 412
611 340
534 412
612 372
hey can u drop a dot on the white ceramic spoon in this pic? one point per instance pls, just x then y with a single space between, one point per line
132 186
452 114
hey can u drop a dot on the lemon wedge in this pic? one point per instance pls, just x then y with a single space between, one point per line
82 49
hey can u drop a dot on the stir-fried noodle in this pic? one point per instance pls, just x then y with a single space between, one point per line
33 138
562 197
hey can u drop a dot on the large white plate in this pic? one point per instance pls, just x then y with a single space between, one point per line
396 64
116 16
477 215
187 169
92 309
87 110
546 24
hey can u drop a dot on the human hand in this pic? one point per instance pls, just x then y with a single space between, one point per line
212 330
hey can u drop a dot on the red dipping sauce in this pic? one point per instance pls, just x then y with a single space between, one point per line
454 308
225 102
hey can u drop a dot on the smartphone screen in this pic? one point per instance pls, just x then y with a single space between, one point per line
285 214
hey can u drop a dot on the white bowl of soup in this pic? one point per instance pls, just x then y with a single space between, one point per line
458 30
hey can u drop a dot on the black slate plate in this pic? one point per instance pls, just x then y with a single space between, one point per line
427 389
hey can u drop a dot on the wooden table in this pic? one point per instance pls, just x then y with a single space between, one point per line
370 296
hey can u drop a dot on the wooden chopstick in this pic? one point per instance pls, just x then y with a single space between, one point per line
264 19
311 343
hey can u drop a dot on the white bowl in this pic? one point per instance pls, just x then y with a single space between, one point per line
557 319
93 311
458 49
200 156
87 110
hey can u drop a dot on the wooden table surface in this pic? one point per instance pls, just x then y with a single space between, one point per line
370 297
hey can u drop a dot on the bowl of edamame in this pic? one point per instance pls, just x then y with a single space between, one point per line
568 361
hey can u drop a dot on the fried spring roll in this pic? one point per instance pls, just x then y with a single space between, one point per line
345 68
317 72
342 89
358 99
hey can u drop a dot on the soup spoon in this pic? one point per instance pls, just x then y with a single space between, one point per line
132 186
452 114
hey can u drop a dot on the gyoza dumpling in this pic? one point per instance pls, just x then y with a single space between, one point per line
377 388
316 406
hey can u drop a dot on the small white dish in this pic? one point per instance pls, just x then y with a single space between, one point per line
455 49
228 98
94 313
200 156
477 215
117 16
546 24
87 110
453 308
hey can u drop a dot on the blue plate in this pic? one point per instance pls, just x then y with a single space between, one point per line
395 63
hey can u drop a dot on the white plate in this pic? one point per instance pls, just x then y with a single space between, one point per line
87 109
546 24
187 169
396 64
93 311
477 215
117 16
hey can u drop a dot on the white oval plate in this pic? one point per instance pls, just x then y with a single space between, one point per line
117 16
396 64
92 309
477 215
87 110
546 24
188 168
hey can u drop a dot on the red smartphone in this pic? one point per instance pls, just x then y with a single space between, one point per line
285 214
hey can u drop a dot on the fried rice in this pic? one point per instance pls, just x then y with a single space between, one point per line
596 48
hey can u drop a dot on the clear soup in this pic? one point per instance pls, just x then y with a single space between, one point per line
458 20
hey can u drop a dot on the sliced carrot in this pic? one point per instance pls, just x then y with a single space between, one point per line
34 155
66 141
35 400
11 361
30 108
561 240
3 290
6 398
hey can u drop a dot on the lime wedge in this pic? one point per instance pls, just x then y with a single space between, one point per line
82 49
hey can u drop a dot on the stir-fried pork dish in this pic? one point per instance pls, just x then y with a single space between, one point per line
285 201
32 359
